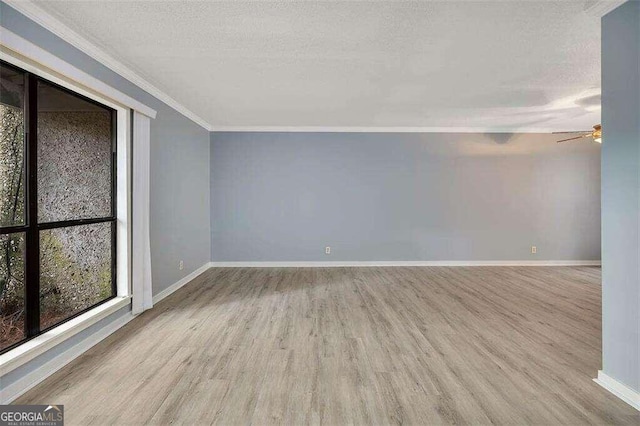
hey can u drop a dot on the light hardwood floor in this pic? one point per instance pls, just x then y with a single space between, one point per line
423 345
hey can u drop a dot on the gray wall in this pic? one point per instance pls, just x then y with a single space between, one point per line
621 194
179 178
386 196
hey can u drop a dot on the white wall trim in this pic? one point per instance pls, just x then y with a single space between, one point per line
179 284
46 20
19 51
620 390
29 350
406 263
348 129
602 7
123 202
27 382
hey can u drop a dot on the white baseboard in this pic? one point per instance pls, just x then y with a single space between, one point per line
173 287
406 263
22 385
620 390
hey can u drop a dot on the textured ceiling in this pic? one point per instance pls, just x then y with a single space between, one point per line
493 65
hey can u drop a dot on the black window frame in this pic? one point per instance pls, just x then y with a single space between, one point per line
31 227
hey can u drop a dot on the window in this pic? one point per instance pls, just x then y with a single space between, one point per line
57 205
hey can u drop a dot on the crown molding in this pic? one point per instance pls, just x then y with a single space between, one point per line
49 22
26 55
602 7
347 129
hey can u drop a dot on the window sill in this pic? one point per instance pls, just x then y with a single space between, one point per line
24 353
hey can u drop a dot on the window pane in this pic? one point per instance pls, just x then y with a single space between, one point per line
74 157
75 270
11 147
12 297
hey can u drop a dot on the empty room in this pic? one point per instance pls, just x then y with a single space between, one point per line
319 212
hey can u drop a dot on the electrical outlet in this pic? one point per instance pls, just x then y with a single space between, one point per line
327 250
534 249
181 266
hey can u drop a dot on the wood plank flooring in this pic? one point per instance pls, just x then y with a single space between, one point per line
423 345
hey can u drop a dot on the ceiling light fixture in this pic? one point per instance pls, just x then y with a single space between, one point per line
596 134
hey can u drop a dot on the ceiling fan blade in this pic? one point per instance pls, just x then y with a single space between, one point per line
577 137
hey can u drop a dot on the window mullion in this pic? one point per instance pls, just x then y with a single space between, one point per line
32 288
74 222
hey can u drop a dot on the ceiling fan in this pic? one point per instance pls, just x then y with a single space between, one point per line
596 134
